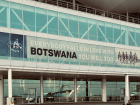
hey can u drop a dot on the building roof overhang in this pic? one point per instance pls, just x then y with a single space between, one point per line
117 6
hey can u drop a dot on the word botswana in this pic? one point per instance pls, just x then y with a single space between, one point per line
55 53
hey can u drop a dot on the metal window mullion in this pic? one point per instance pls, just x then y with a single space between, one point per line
35 18
128 34
47 20
78 28
58 22
135 37
105 33
113 32
97 40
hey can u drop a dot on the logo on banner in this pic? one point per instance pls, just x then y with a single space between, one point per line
15 46
128 58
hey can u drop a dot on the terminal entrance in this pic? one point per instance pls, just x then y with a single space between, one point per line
122 94
32 95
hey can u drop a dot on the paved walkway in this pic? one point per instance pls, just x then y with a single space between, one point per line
88 103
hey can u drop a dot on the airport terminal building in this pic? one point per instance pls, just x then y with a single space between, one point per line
67 51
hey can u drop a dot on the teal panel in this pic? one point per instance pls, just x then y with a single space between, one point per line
63 24
117 34
52 22
29 41
29 18
73 26
131 34
41 20
4 14
92 27
101 56
16 20
42 44
138 37
63 47
109 32
101 31
137 66
51 46
117 57
83 28
84 54
4 46
124 33
93 55
74 47
109 56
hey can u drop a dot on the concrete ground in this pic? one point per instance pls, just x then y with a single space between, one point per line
88 103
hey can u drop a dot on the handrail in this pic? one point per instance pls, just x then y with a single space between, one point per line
91 10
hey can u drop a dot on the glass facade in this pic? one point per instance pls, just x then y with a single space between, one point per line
46 50
47 21
62 90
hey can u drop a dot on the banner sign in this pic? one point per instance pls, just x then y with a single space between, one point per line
58 51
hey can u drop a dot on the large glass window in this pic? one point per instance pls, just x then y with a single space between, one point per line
52 22
117 34
92 27
109 32
101 31
29 18
74 48
4 14
138 37
63 24
41 20
124 34
53 57
67 56
111 91
83 28
73 26
101 56
109 56
42 55
84 55
16 20
29 42
93 55
5 45
131 34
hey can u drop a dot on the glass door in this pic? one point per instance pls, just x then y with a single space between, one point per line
122 94
32 95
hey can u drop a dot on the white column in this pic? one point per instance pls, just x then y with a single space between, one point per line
41 89
75 89
9 83
1 90
104 99
126 88
73 4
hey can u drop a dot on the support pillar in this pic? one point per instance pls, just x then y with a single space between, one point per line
10 83
75 89
104 99
1 90
9 99
126 89
41 89
74 4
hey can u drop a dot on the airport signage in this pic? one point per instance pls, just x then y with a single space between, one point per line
68 52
